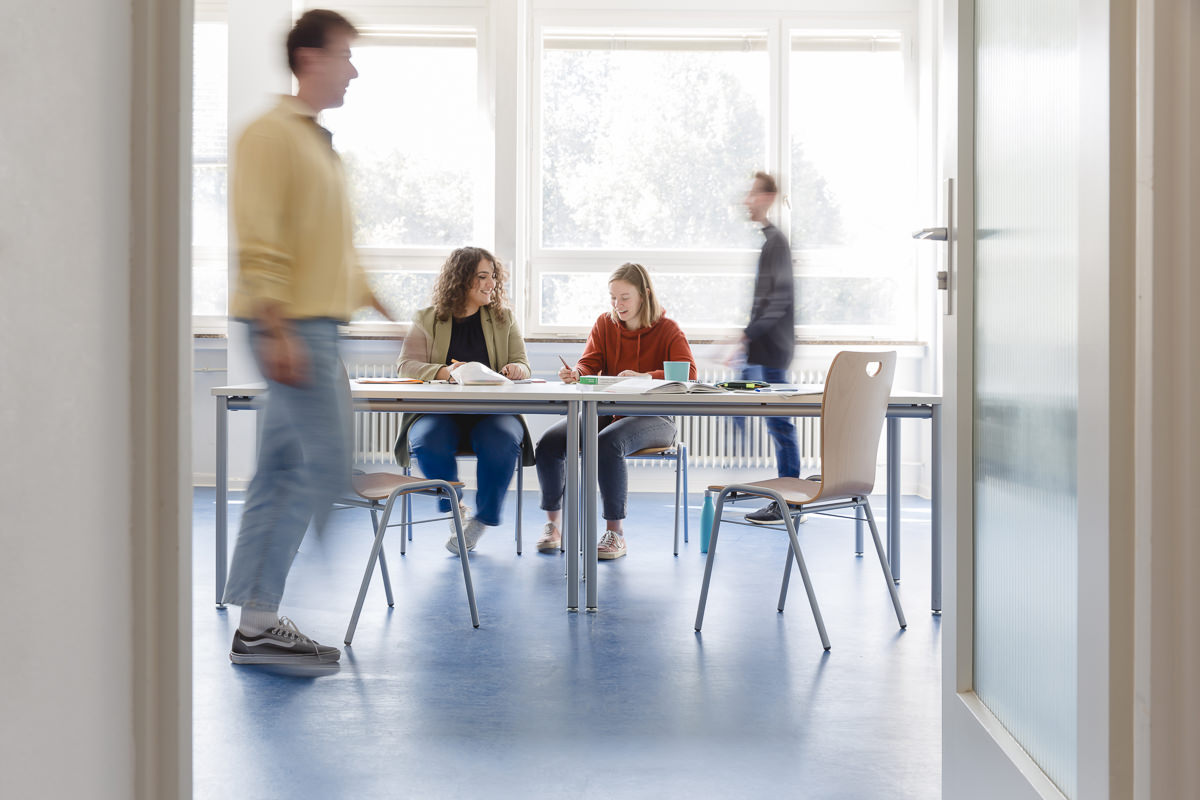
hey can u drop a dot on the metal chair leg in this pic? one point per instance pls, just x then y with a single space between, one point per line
708 562
462 549
812 596
520 495
678 493
683 455
787 576
883 562
383 568
366 581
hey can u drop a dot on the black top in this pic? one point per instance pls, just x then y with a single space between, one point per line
466 341
771 331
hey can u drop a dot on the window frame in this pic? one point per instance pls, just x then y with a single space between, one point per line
780 30
380 26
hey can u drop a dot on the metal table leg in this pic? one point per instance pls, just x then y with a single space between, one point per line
591 424
571 507
222 511
935 512
893 495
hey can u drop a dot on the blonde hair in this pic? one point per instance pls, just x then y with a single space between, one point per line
454 281
637 277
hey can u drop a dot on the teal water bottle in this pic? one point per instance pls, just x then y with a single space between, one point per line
706 522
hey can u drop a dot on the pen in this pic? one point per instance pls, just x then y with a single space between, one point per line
564 363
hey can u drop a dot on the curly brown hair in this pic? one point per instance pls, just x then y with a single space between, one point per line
457 276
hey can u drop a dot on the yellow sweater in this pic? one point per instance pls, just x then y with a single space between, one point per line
295 230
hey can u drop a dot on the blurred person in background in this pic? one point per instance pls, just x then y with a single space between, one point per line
769 339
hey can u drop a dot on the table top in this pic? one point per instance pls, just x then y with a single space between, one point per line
559 392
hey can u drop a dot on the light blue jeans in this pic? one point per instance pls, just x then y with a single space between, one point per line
304 463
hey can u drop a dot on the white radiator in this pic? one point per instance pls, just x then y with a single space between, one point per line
718 442
374 432
711 441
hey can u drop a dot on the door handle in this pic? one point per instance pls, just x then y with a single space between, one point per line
932 234
942 234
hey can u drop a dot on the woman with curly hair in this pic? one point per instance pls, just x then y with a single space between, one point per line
469 321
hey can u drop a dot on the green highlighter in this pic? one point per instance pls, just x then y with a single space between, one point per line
743 385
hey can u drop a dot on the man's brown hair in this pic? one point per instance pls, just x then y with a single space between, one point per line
766 182
313 29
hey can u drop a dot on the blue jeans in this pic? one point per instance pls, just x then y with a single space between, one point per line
304 463
494 438
782 429
618 438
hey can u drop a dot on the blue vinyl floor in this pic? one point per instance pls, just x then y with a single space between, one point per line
542 703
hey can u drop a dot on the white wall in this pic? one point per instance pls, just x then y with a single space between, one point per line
65 556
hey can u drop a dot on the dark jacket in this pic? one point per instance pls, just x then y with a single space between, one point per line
772 328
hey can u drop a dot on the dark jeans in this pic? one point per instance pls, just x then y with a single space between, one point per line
618 438
494 438
782 429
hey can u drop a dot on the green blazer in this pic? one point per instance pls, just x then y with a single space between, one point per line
424 354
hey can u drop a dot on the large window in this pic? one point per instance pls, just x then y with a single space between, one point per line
210 162
416 155
851 183
632 142
647 141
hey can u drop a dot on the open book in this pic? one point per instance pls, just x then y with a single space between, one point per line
654 386
473 373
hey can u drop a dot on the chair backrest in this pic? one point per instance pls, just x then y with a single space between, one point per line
857 388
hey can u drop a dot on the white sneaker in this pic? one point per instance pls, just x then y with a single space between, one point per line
473 531
464 511
610 546
551 539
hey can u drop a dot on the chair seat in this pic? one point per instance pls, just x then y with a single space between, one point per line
378 485
795 491
653 451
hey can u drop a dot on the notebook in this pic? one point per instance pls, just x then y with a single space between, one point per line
653 386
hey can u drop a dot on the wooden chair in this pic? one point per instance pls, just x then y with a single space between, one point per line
853 407
378 492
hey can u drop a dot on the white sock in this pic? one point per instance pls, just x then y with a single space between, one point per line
255 620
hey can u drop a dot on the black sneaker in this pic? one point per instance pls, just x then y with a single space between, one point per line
767 515
282 643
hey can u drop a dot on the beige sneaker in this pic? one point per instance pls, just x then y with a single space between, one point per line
612 545
551 539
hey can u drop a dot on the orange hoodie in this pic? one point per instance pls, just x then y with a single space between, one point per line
612 348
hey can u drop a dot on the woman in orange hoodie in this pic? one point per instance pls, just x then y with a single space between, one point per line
633 340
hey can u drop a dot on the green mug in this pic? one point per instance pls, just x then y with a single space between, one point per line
676 370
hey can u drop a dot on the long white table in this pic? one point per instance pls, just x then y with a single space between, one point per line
583 406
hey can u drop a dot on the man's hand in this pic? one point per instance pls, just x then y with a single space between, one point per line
568 375
628 373
284 357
